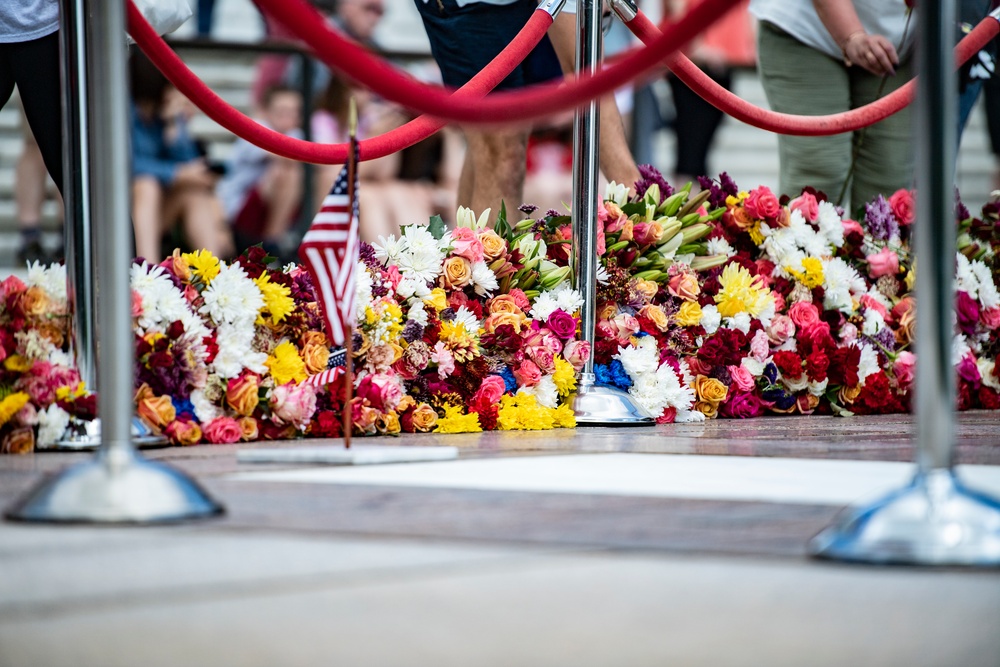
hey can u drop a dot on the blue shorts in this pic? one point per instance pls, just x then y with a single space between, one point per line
465 39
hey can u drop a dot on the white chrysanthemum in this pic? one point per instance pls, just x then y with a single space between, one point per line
417 313
389 250
689 416
868 365
569 299
412 287
616 192
483 279
815 245
755 367
60 358
467 319
720 246
602 274
232 296
985 367
545 304
662 389
710 319
52 279
422 266
841 283
988 296
830 224
740 321
779 245
959 349
640 358
420 241
874 322
163 304
204 409
52 424
545 392
818 388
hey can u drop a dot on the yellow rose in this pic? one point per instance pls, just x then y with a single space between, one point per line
847 395
34 301
689 315
710 390
316 357
405 403
424 418
456 273
710 410
504 303
313 338
494 247
248 427
388 423
184 433
647 288
155 411
656 315
607 312
437 299
242 394
491 323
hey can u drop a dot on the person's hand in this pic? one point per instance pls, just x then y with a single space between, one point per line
195 173
175 106
874 53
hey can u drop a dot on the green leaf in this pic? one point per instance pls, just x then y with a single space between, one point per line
436 227
502 227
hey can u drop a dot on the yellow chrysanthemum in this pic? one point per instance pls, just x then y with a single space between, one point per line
741 293
462 344
437 299
15 363
740 196
71 393
564 415
812 274
371 317
455 421
564 377
689 315
277 299
755 234
523 413
286 365
11 404
203 264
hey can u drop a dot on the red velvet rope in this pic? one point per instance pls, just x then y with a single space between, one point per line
783 123
353 61
160 53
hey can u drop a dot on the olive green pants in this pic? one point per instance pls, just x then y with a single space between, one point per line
801 80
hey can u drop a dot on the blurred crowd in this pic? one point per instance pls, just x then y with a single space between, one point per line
181 198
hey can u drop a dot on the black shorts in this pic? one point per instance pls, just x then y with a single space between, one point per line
465 39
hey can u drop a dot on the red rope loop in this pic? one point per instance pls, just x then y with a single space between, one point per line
783 123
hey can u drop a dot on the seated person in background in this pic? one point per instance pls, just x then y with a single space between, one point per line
261 192
170 179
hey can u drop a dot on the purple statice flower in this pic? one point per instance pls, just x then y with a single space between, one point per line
961 210
552 213
527 209
886 338
412 331
649 175
880 220
367 255
380 290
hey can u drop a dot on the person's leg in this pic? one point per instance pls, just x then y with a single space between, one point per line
35 67
800 80
29 196
147 217
498 164
201 214
281 188
205 10
991 95
885 151
695 126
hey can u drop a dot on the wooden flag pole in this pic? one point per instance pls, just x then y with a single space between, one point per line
352 166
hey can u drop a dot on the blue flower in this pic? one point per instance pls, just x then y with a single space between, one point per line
603 373
619 377
508 379
771 373
183 407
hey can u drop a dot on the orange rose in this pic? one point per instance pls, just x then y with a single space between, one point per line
179 266
656 315
847 395
313 338
424 418
647 288
52 333
905 313
457 273
34 301
710 410
405 403
742 219
183 433
156 411
607 312
242 394
494 247
249 428
387 423
19 441
315 357
505 303
710 390
493 321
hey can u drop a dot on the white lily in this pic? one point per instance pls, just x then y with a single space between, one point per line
466 217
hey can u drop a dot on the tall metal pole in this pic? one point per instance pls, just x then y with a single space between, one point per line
594 405
935 520
117 485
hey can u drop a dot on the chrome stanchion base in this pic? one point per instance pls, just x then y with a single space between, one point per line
597 405
129 490
935 520
82 436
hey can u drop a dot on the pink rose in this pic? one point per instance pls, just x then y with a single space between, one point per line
684 286
782 328
625 326
742 379
742 406
520 300
382 391
903 369
760 346
527 374
852 227
544 337
136 304
968 370
490 391
293 404
990 317
903 207
803 313
543 358
222 431
762 204
466 243
883 263
562 324
647 233
12 285
848 333
611 216
576 352
807 205
871 303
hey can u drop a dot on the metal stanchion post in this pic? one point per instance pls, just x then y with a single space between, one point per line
935 520
117 485
594 405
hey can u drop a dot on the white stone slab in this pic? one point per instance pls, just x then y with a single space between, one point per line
341 456
803 481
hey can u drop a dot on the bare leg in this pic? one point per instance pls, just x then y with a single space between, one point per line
498 164
29 188
281 188
202 215
147 216
376 218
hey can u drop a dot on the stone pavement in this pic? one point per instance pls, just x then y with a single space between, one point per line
421 573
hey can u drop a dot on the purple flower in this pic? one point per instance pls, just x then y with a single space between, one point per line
650 175
881 222
367 255
961 211
412 331
527 209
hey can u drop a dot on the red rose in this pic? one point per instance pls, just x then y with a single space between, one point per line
903 207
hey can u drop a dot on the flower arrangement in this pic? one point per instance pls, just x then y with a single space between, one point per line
725 303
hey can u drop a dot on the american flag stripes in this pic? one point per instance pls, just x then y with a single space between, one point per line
326 377
330 252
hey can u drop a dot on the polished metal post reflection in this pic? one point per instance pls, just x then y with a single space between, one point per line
593 405
935 520
117 485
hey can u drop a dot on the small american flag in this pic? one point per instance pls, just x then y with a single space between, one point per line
330 252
